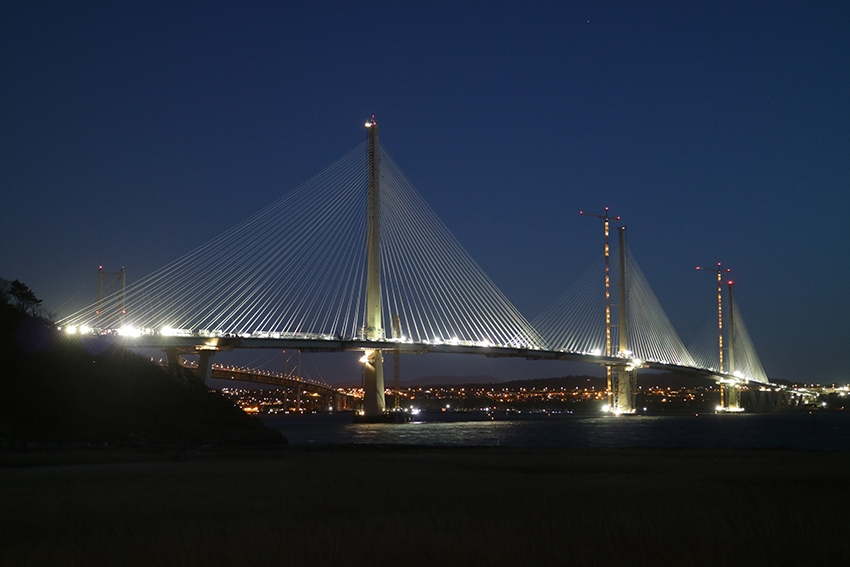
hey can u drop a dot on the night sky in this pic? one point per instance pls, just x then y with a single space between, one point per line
133 132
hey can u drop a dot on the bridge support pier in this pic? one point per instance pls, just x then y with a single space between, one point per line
761 401
730 397
624 395
173 356
345 403
373 383
205 366
339 402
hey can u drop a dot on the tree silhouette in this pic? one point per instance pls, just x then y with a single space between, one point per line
23 297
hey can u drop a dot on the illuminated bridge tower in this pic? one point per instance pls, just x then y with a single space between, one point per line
730 395
626 377
607 219
373 361
729 398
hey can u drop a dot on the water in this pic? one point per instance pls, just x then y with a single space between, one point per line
818 430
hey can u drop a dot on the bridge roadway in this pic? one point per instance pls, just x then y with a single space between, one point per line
337 399
201 343
340 401
244 374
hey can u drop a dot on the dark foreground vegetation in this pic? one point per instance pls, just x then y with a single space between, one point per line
56 390
394 506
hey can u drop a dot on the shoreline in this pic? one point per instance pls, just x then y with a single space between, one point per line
424 505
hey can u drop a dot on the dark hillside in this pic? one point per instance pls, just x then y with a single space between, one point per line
53 389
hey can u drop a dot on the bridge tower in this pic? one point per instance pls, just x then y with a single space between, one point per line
373 360
626 379
397 364
606 221
730 394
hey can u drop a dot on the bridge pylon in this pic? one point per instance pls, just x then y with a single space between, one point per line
624 386
607 219
730 394
374 404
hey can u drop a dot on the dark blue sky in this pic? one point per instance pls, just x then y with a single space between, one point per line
720 131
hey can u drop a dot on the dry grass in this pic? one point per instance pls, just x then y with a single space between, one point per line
467 506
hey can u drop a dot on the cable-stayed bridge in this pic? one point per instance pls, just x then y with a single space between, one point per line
308 273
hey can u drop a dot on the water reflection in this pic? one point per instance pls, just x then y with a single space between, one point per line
791 430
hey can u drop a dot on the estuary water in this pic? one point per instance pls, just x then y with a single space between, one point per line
803 430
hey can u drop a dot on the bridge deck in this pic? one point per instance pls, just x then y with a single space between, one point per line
201 343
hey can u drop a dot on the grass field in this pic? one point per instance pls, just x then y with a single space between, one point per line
425 506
